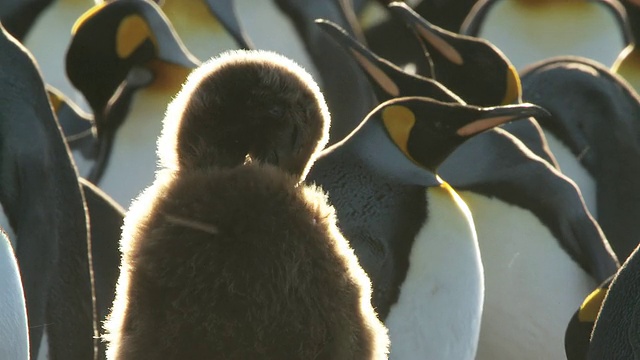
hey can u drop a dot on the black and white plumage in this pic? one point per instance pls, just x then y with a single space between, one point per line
41 197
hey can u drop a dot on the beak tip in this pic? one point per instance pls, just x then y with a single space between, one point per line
539 111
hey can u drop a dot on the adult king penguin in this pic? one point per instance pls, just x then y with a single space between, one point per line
529 31
420 251
139 35
593 115
45 208
560 220
390 81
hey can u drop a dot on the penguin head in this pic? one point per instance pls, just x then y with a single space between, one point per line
471 67
112 38
245 105
427 131
387 79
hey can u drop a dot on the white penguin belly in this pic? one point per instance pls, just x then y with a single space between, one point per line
571 167
532 285
440 305
527 32
14 336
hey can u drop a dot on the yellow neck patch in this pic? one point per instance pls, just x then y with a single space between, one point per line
627 65
399 120
55 100
168 77
591 306
132 32
513 93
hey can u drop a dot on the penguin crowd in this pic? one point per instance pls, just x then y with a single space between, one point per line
363 179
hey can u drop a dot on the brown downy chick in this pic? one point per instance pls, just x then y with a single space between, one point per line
224 259
241 105
240 264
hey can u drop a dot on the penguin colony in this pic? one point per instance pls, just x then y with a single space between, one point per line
447 218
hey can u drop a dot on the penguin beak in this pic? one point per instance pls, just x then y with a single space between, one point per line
367 60
435 36
472 24
494 116
225 12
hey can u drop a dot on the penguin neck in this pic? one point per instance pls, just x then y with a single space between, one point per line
132 154
441 298
628 66
371 144
593 32
572 168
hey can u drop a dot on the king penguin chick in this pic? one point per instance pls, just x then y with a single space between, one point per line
202 127
212 263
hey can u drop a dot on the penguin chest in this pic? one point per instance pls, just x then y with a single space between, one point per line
552 28
572 168
14 343
532 285
440 304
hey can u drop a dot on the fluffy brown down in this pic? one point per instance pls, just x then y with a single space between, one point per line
245 103
239 263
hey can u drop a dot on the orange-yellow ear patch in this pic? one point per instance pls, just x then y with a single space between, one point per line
442 45
132 32
591 306
84 17
381 78
399 120
167 77
513 92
